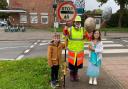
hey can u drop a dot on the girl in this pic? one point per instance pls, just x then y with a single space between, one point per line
95 56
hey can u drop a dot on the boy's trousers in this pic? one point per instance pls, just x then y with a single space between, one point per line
54 73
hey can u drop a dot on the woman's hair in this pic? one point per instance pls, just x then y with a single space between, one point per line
94 33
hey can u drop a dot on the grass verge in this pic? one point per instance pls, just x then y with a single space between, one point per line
29 73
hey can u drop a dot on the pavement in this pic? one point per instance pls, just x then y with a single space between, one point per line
30 34
114 73
43 34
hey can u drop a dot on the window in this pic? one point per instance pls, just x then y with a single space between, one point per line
44 18
97 21
23 18
33 18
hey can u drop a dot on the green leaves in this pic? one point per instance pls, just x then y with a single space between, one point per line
102 1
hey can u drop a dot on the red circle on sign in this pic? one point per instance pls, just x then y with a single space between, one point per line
59 8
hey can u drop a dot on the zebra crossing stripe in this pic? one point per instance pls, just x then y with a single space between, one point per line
20 57
107 41
102 42
104 39
125 40
115 51
110 45
106 51
43 44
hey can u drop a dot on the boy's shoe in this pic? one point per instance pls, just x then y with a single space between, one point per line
57 84
95 81
90 81
53 85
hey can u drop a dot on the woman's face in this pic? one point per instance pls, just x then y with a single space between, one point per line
96 34
77 24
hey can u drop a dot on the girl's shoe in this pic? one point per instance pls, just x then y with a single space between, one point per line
95 81
90 80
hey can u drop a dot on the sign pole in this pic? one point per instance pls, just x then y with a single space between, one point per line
55 19
66 12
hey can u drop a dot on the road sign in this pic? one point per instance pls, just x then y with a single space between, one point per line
66 11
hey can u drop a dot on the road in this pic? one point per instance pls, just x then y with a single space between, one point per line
15 50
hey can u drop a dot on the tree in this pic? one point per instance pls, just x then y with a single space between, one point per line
3 5
102 1
122 4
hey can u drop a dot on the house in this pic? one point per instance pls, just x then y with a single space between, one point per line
32 13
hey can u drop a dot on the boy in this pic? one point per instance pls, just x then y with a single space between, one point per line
54 58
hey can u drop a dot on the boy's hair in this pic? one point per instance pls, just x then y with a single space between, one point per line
56 36
94 33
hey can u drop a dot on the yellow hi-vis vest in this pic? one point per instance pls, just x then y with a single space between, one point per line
75 40
75 46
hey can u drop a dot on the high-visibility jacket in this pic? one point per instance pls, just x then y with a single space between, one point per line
76 46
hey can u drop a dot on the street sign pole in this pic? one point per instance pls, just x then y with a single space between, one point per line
55 19
66 13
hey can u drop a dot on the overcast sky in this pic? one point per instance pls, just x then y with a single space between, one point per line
93 4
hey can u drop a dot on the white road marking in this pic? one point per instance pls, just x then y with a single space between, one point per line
31 46
104 39
107 41
115 51
112 51
26 51
43 44
44 41
110 45
4 59
13 47
102 42
125 40
20 57
113 45
35 43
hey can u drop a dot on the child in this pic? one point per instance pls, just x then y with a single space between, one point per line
54 57
95 56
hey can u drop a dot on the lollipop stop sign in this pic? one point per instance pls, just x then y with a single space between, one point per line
66 11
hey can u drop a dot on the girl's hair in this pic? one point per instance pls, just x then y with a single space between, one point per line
99 39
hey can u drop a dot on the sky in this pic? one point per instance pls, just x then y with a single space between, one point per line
93 4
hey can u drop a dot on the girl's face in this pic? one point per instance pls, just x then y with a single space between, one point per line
96 34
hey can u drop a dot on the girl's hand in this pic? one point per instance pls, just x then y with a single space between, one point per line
91 48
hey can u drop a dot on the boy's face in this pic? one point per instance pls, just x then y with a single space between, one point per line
56 39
